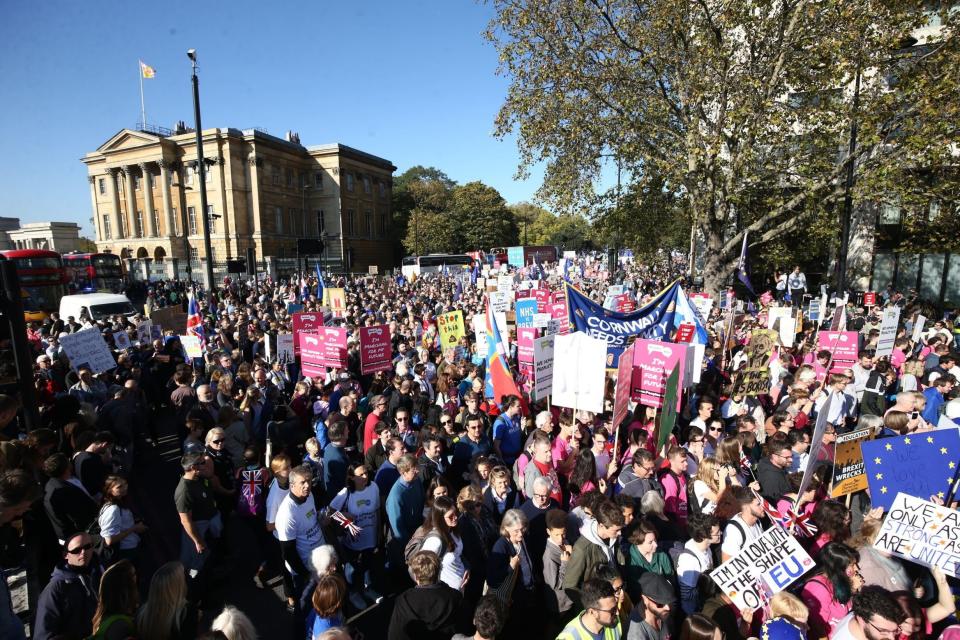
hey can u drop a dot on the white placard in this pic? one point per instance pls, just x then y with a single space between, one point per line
505 283
888 331
918 328
570 255
776 313
143 332
499 301
703 304
694 364
285 348
479 323
191 346
88 348
501 319
542 367
788 330
579 372
921 532
541 320
121 340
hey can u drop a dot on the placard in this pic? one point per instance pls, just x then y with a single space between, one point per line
505 283
479 324
843 344
499 301
305 322
918 328
285 348
753 378
870 299
88 348
336 299
849 474
373 270
451 328
376 349
920 464
764 567
813 310
143 332
526 309
121 340
542 320
685 332
525 338
653 361
788 330
621 399
173 318
542 296
328 348
191 346
156 332
579 366
558 311
888 331
776 313
703 303
922 532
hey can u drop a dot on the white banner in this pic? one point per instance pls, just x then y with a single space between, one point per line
888 331
579 372
479 324
87 348
922 532
542 367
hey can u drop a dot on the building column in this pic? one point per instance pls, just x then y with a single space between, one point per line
165 193
148 199
96 213
255 163
116 233
132 203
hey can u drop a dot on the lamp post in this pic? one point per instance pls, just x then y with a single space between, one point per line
202 168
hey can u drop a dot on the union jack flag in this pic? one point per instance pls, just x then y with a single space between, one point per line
251 488
195 321
792 521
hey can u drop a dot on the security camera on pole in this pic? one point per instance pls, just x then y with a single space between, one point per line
202 169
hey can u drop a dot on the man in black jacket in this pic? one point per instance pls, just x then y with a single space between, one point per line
772 471
67 604
69 507
428 610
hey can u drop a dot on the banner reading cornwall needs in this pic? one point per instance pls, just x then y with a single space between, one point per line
656 320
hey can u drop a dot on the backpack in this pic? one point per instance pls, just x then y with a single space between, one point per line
694 506
107 622
415 543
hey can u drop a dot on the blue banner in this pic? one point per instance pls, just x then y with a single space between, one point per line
657 320
525 309
515 256
921 464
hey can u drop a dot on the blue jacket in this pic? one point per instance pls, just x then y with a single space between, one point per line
405 508
335 464
67 604
931 412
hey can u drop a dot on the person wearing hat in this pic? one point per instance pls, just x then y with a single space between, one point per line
599 617
649 619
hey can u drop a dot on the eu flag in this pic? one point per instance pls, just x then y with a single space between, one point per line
921 464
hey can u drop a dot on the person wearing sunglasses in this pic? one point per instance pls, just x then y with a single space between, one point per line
223 469
68 602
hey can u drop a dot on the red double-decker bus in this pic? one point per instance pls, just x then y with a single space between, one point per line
42 280
90 272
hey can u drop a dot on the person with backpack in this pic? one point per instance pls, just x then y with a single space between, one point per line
597 545
695 560
744 526
674 480
70 599
637 478
118 601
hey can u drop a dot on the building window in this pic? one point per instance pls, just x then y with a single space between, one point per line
293 220
383 189
351 229
276 176
288 174
889 213
349 181
279 220
156 220
302 175
318 180
369 221
321 223
106 227
213 254
124 231
208 173
138 228
188 176
102 186
211 218
366 184
383 225
194 254
192 220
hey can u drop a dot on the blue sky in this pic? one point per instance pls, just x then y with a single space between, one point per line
411 80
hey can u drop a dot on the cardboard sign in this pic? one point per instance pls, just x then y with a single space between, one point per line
526 309
849 474
479 324
922 532
764 567
843 344
542 367
304 322
376 349
870 299
143 332
579 367
172 318
753 378
336 299
888 331
499 301
325 349
191 346
88 348
918 328
285 348
121 340
920 464
621 399
653 361
685 332
451 328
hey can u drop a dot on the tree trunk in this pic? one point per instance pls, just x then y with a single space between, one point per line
717 267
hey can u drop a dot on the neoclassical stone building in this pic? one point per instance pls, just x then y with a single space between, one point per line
263 192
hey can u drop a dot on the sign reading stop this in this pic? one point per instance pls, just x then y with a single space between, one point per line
870 299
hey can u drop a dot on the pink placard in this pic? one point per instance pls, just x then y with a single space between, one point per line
328 348
558 311
543 299
843 344
305 322
525 338
558 296
621 403
521 294
625 303
376 349
653 362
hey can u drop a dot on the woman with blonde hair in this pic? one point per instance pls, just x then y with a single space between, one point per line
709 483
166 615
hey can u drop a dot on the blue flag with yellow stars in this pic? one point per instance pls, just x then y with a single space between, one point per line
921 464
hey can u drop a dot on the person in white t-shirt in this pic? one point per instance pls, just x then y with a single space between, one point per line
876 615
695 559
359 501
443 540
743 527
298 526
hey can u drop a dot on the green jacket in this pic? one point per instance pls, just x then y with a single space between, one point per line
636 565
587 554
576 631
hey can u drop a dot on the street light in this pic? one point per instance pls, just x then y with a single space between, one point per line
202 168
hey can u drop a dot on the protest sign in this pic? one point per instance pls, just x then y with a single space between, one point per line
922 532
558 311
451 328
121 340
849 475
515 256
624 303
685 332
191 346
499 301
143 332
521 294
156 332
542 296
888 331
373 270
918 328
376 349
285 351
88 348
525 312
579 372
694 366
762 568
813 311
542 321
653 361
787 330
481 283
558 296
328 348
525 338
703 303
621 399
668 416
479 324
920 464
776 313
504 283
870 299
843 344
293 307
542 367
615 290
304 322
336 299
753 378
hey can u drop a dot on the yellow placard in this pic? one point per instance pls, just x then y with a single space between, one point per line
451 328
336 300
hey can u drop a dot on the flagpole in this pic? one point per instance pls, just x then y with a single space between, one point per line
143 109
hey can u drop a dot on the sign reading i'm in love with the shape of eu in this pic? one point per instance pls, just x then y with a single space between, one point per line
922 464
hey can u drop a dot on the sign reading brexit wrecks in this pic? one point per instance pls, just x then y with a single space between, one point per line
764 566
922 532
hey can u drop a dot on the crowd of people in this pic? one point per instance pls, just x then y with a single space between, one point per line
464 516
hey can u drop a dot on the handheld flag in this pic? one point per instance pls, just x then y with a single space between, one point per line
498 380
742 266
320 285
195 321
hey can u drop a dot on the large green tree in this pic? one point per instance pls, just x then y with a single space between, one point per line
420 195
743 110
482 217
537 226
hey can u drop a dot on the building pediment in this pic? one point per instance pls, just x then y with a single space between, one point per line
128 139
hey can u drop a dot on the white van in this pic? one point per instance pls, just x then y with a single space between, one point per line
97 305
